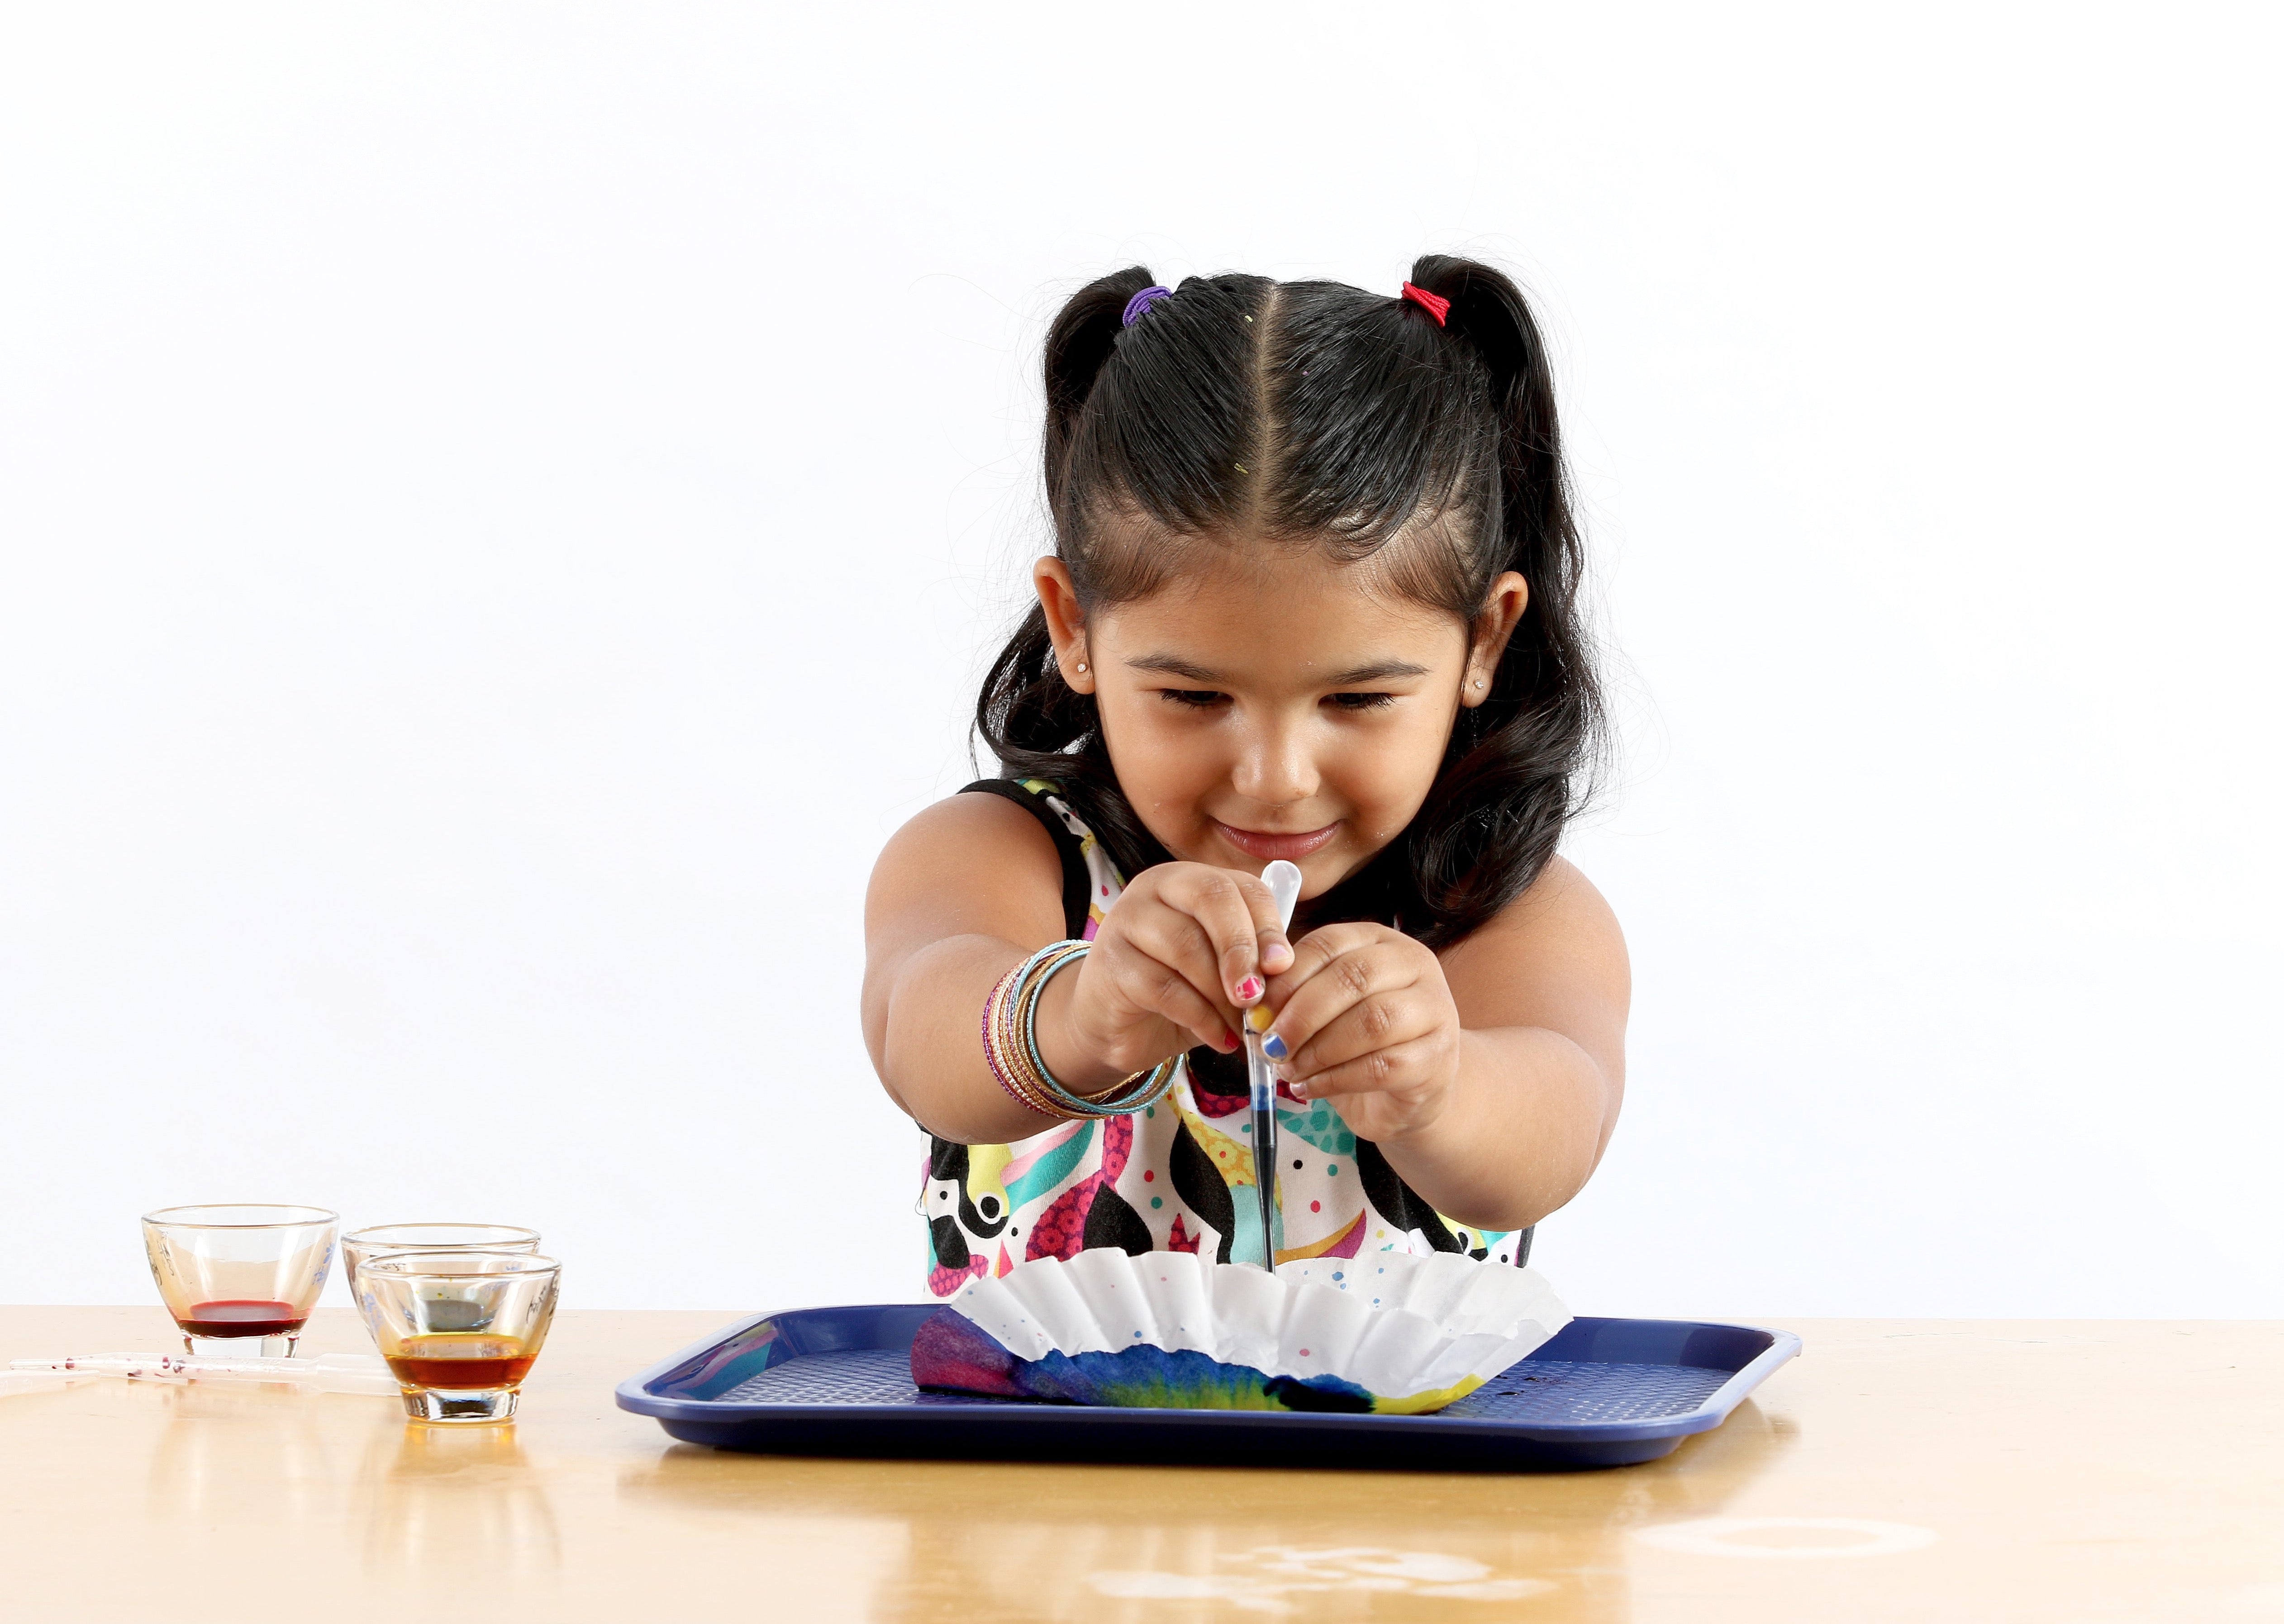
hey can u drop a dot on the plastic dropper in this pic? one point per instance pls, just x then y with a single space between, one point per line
365 1373
1284 882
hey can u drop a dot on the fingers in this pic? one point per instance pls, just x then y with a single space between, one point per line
1173 949
1161 961
1380 1021
1194 945
1239 917
1364 1010
1333 968
1417 1062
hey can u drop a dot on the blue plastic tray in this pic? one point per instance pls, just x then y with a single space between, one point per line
838 1381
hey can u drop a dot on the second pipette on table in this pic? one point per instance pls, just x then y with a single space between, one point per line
325 1373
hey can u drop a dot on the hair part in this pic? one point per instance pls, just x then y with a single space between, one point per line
1243 412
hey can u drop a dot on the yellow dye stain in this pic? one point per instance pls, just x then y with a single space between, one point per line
1420 1403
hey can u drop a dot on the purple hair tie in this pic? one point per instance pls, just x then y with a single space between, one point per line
1140 304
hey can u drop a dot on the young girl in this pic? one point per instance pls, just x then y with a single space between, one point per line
1313 596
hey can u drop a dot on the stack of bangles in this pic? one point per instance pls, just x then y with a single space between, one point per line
1011 1049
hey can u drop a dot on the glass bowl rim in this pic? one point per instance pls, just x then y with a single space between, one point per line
172 1218
360 1238
527 1262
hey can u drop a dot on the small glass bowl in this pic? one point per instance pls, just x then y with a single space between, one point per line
240 1273
459 1329
379 1240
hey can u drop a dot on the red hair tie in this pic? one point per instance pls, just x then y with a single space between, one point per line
1434 304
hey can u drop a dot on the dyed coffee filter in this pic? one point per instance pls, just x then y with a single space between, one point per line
1387 1331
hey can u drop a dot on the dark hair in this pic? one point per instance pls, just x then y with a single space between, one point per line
1313 414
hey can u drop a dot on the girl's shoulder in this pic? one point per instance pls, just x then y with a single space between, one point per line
1554 957
1562 912
1002 855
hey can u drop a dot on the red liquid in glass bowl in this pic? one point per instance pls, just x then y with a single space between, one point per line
242 1317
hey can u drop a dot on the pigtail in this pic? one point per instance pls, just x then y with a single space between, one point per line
1488 313
1086 330
1519 766
1035 724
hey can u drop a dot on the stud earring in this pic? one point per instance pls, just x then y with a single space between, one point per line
1082 667
1479 681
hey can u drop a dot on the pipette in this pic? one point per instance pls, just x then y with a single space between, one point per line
325 1373
1284 882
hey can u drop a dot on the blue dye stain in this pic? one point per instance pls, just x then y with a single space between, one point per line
1332 1170
1338 1275
1245 1128
1157 1201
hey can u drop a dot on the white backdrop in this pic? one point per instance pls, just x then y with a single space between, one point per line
502 509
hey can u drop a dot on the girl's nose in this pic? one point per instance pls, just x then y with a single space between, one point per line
1274 766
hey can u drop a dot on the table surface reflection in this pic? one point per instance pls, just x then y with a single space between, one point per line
1903 1469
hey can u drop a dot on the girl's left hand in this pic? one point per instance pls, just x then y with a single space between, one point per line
1368 1022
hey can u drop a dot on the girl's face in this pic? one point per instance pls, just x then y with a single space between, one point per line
1277 708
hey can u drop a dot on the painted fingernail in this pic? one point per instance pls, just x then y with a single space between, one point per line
1250 988
1228 1042
1274 1046
1259 1016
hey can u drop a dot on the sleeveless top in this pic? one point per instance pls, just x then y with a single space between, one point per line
1178 1175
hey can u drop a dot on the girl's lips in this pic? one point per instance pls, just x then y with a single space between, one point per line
1268 848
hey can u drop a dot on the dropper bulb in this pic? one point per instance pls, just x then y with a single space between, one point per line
1284 882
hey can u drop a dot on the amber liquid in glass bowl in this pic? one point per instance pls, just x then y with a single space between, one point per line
460 1330
460 1360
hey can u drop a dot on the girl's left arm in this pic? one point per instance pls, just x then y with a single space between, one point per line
1490 1077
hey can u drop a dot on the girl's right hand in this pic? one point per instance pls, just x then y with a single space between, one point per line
1183 951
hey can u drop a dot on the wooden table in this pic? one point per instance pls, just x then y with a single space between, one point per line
1900 1470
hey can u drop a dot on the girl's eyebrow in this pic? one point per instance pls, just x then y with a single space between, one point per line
1376 670
1172 665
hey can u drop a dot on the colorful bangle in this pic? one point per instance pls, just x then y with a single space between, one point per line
1002 1049
1014 1077
1011 1046
1123 1098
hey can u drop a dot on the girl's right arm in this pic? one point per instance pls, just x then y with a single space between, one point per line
970 889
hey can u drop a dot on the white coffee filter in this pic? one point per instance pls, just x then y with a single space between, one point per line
1393 1324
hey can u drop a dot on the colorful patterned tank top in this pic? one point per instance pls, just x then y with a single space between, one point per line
1179 1175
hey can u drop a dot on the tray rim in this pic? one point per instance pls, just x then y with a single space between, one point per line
634 1396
